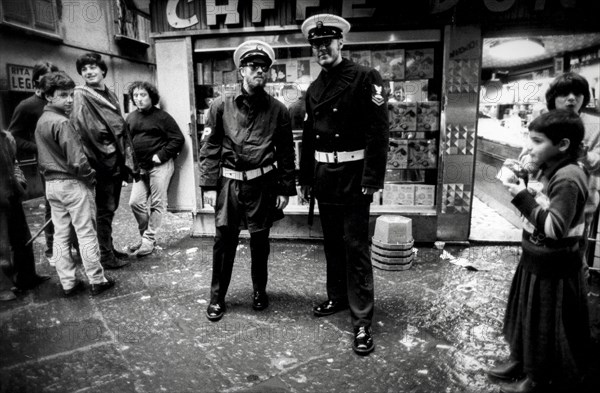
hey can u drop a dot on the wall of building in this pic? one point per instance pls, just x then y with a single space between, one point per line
80 27
83 27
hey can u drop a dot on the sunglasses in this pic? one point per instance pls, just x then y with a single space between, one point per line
316 44
253 67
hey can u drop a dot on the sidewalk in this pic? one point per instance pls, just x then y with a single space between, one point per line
437 326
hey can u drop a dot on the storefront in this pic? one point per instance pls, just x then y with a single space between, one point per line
429 54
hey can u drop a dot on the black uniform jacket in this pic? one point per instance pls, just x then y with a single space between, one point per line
345 111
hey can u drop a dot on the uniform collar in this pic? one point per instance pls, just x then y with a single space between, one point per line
338 68
256 98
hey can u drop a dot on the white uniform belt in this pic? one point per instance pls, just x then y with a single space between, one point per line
247 175
340 156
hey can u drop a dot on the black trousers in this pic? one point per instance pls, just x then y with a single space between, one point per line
108 193
15 233
226 242
349 269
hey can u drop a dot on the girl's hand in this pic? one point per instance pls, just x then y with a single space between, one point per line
514 188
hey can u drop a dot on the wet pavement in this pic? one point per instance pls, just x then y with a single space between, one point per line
437 326
488 225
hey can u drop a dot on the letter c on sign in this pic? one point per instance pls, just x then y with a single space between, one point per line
174 20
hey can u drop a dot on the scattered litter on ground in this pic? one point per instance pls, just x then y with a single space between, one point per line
468 287
145 297
191 250
201 301
463 262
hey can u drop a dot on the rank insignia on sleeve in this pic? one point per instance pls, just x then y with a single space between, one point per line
377 98
206 133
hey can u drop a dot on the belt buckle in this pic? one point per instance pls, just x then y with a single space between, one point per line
244 177
335 157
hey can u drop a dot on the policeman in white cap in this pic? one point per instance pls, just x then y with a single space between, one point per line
246 172
343 160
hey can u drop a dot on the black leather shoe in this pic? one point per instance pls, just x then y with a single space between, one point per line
97 289
261 300
32 283
215 311
115 264
508 371
329 307
525 385
363 340
73 291
119 254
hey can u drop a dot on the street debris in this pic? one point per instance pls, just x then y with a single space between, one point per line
463 262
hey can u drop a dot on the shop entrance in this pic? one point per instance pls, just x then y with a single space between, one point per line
513 91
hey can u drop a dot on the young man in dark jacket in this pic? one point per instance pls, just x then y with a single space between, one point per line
107 144
22 127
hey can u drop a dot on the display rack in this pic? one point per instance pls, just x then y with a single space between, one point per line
412 83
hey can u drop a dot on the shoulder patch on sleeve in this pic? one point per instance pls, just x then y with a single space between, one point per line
206 133
376 96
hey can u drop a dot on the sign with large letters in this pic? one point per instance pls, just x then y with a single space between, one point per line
202 15
20 78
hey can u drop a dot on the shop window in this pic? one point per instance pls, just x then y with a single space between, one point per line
133 26
412 83
37 15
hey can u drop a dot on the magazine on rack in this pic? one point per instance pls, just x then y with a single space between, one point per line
389 63
419 64
402 115
428 116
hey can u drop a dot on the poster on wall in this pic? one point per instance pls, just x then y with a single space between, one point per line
362 57
399 194
419 64
398 154
424 195
291 70
389 63
409 91
422 154
303 69
428 116
277 73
